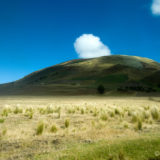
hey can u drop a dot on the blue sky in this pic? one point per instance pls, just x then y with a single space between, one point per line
35 34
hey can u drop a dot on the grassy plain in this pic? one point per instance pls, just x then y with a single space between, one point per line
79 128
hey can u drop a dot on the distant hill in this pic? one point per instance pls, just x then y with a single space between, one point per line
117 73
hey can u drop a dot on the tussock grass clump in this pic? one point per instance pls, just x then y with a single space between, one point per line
77 108
146 115
17 110
111 157
41 110
3 132
66 123
129 113
95 113
125 125
121 156
53 128
93 123
104 117
57 109
147 108
82 111
71 111
59 114
29 115
49 110
134 117
139 125
150 121
155 113
40 128
117 111
2 120
112 114
100 125
29 110
5 112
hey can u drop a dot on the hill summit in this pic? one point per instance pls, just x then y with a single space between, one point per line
117 73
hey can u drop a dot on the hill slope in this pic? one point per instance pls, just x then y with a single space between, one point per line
82 76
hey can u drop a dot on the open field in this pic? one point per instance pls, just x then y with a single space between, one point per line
79 128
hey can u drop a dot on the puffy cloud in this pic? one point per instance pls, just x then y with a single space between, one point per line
90 46
156 7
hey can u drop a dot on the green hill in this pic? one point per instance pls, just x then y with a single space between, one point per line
82 76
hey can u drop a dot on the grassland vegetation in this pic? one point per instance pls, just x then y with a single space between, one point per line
79 128
40 128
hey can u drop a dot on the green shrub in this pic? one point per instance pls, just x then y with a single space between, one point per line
40 128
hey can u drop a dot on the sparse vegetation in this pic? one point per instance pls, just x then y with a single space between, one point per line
5 112
104 117
139 125
49 110
134 117
155 113
40 128
53 129
67 123
4 132
117 111
97 126
82 111
17 110
2 120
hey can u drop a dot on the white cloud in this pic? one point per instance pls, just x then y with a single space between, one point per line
156 7
90 46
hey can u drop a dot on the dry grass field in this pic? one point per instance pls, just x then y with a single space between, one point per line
79 128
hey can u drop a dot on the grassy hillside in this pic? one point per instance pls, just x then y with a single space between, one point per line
82 76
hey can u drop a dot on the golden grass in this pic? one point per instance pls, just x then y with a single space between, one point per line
42 120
